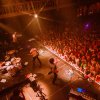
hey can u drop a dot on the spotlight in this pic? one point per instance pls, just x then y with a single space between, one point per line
35 15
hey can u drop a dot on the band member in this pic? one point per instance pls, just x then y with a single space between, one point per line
14 37
34 52
53 69
15 40
32 80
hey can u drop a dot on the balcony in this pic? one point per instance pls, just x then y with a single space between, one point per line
15 9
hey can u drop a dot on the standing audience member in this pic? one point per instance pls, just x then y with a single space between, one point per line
97 79
53 69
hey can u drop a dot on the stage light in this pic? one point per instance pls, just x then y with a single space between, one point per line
35 15
87 25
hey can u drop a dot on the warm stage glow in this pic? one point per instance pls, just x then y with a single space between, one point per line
29 93
35 15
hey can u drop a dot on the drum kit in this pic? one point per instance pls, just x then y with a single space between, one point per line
14 62
10 61
9 54
11 65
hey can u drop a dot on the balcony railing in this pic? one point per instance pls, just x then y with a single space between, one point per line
16 9
88 9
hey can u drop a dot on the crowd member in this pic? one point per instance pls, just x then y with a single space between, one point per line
98 78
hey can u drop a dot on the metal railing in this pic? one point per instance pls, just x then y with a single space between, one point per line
15 9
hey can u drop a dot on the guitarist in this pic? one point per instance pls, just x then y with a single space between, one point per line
53 70
34 53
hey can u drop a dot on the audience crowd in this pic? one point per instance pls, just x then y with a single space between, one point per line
79 48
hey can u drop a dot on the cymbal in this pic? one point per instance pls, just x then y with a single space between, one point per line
7 63
11 52
18 59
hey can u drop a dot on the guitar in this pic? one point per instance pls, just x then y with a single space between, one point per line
34 53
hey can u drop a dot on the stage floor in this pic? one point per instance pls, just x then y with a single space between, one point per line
67 77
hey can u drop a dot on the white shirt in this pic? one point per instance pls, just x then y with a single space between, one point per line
33 52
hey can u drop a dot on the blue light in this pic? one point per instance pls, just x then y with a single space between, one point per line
81 90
